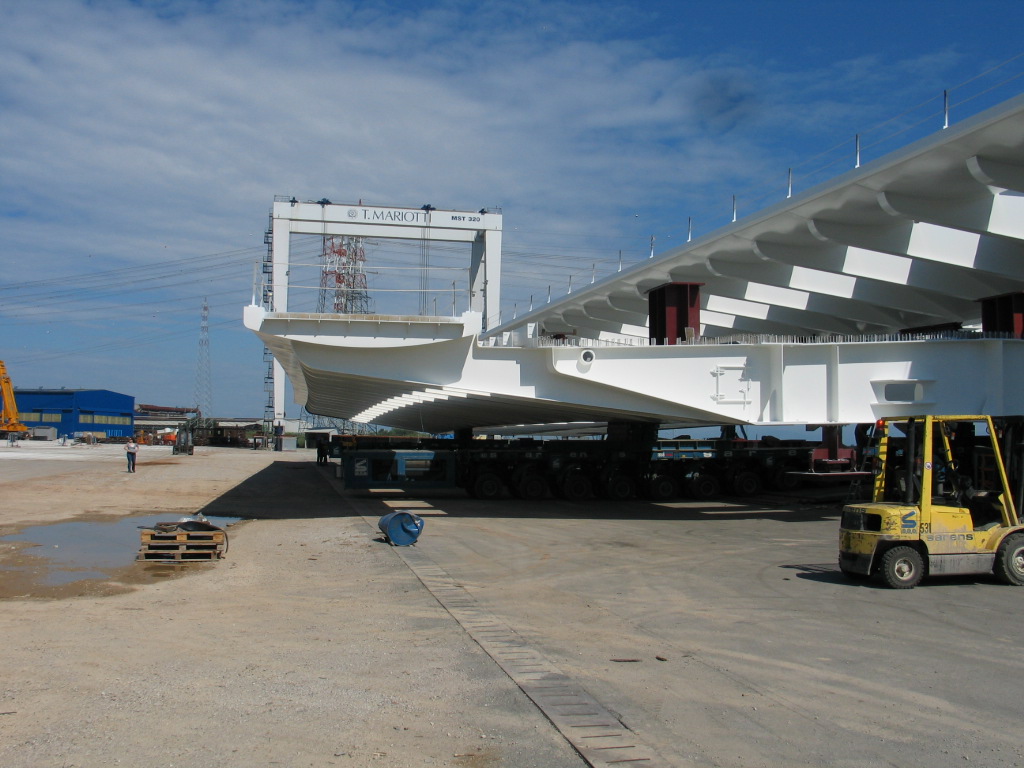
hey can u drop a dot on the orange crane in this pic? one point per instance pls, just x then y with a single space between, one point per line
9 408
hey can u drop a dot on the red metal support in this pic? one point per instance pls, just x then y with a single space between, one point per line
1003 314
674 308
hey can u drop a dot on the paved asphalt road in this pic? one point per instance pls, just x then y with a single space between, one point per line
724 634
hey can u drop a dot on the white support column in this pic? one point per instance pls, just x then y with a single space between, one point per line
281 261
485 276
478 277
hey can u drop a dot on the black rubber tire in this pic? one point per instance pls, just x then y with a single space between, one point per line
786 481
1009 565
532 486
704 487
902 568
487 485
576 486
746 483
662 488
515 482
620 487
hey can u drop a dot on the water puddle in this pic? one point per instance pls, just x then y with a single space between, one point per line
83 557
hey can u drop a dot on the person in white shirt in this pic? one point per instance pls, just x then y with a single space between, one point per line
131 449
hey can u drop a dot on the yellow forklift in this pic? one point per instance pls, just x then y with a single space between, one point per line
941 503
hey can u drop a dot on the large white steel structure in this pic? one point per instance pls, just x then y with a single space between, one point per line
827 280
480 228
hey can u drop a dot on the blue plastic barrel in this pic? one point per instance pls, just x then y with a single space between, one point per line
401 528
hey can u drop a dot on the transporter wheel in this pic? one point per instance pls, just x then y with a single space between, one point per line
1009 566
619 487
902 568
746 483
576 486
662 488
487 486
532 486
785 481
704 487
515 482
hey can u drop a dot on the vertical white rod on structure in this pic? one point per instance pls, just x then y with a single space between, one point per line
734 207
789 186
531 302
832 383
856 142
255 284
549 294
454 308
570 283
425 238
515 311
620 261
593 273
652 248
945 109
689 228
776 369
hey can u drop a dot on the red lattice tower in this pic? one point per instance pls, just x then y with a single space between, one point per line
343 286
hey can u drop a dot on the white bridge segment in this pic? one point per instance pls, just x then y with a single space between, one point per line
914 239
430 374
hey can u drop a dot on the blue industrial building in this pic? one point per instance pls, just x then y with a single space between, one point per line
102 413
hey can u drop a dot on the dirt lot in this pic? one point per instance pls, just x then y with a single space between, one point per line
310 644
719 634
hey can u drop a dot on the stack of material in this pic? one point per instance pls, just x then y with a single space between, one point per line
184 541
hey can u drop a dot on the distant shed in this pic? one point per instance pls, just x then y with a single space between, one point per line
102 413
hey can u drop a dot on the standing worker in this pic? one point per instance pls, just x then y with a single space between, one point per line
131 449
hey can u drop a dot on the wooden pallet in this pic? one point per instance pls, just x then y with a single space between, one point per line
163 545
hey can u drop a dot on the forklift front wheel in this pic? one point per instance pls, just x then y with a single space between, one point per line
902 568
1010 560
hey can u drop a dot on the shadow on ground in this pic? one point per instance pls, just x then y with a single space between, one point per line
295 490
285 490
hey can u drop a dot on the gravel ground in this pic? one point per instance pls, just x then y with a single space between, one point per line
310 644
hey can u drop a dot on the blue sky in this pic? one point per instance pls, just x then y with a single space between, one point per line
142 143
